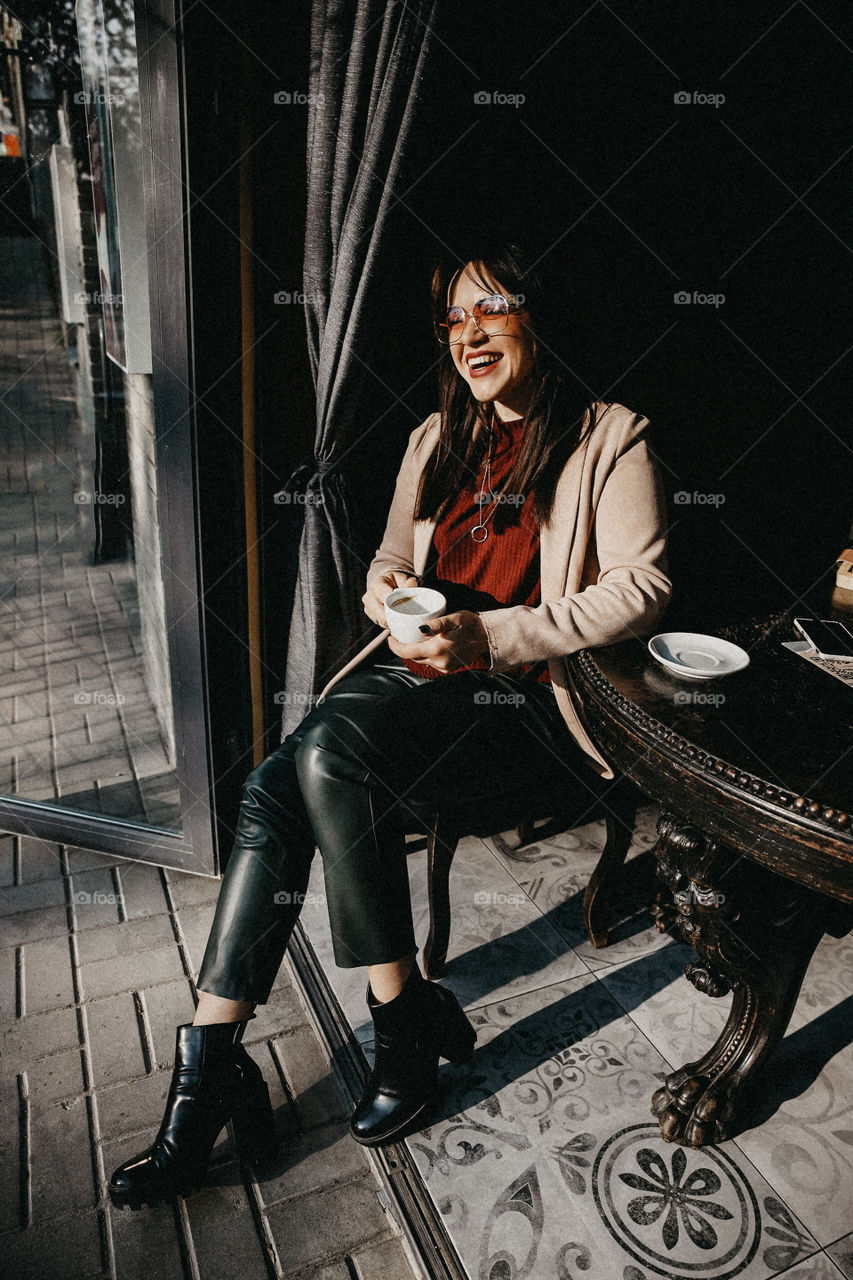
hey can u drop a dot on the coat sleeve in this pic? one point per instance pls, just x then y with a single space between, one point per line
397 548
632 588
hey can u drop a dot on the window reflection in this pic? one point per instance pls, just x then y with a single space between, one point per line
86 706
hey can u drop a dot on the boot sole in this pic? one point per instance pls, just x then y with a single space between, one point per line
250 1149
123 1200
391 1135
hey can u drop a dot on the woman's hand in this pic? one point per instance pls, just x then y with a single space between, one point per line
457 640
378 588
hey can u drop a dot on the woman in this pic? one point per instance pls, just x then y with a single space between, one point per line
541 517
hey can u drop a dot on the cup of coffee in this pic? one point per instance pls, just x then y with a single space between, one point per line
408 608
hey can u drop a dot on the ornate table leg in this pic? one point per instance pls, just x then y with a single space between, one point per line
754 933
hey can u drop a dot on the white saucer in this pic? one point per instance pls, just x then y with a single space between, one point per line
687 653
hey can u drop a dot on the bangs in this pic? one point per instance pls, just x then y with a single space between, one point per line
481 274
501 271
479 271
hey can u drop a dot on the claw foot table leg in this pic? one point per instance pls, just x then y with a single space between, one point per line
754 933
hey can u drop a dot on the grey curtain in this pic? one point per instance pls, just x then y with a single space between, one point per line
367 65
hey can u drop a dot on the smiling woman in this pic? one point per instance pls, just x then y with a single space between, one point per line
530 378
539 515
494 317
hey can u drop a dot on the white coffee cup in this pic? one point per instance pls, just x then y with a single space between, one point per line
408 608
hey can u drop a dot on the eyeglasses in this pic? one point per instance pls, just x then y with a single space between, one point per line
490 315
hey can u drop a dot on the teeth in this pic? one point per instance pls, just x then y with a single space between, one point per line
482 360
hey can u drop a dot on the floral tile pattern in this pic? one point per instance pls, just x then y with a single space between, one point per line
542 1157
546 1163
679 1020
802 1139
554 872
500 942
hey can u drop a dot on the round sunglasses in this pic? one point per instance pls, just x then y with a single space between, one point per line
490 315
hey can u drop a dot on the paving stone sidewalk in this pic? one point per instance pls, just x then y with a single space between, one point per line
97 958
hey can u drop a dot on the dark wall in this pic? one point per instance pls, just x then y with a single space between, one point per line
643 197
275 44
636 197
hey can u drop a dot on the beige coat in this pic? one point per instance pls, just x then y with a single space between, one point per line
602 557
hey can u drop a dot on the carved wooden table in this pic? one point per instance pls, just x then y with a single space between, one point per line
754 773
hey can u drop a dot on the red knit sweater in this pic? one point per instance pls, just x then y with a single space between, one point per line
503 570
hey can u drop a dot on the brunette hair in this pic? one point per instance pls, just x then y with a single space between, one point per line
562 412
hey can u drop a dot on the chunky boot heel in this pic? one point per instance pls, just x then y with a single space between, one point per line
254 1127
421 1024
214 1081
458 1036
459 1046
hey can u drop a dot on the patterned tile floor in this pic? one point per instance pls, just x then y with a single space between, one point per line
543 1158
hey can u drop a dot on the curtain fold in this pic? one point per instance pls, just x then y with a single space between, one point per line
366 69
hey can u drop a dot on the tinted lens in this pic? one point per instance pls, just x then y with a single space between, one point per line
454 323
490 314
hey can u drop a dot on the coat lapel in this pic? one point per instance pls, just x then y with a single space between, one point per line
423 532
561 556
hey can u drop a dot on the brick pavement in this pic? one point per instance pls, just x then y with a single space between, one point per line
91 992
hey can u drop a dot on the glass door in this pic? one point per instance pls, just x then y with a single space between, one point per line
113 700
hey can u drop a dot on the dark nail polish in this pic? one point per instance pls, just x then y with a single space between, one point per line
425 627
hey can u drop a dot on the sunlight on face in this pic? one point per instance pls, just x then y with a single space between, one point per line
505 380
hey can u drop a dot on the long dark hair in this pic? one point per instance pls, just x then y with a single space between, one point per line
562 412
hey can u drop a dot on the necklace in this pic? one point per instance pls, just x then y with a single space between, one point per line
480 527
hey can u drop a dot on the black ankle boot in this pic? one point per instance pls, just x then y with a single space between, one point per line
214 1081
419 1026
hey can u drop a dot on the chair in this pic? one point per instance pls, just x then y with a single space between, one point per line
616 798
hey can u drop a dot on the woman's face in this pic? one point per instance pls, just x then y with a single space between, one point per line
505 380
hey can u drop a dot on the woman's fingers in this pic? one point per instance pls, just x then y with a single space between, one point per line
373 599
402 579
455 640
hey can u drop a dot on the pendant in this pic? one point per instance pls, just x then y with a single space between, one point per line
479 528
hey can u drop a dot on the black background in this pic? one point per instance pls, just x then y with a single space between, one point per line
635 197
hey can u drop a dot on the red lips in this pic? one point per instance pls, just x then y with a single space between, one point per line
486 368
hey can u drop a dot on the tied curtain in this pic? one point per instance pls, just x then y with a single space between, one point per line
366 69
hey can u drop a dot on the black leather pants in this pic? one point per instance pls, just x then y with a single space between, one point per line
342 781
